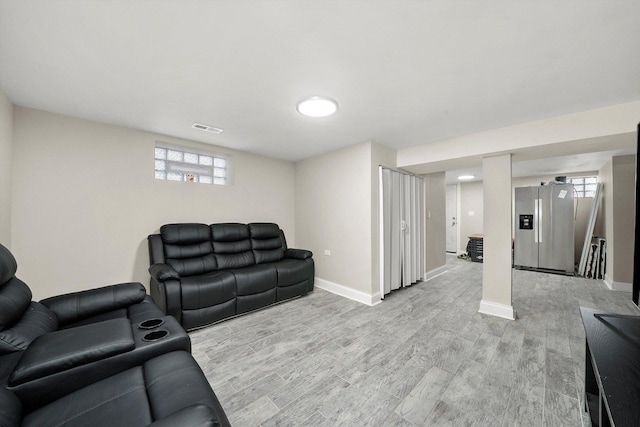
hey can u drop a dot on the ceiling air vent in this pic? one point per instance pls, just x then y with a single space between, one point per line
206 128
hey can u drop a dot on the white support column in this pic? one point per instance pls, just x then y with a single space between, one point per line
496 271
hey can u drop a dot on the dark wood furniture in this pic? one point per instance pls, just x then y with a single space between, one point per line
612 368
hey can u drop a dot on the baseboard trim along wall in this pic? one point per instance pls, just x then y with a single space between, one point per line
435 273
352 294
617 286
497 309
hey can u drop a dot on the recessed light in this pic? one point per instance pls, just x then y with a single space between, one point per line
465 177
317 106
207 128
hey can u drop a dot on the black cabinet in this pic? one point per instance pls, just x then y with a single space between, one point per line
612 368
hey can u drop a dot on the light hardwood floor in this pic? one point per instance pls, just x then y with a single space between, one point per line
423 357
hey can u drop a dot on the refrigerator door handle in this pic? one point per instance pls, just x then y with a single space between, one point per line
540 220
535 220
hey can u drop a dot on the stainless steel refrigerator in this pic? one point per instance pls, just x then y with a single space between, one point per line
544 228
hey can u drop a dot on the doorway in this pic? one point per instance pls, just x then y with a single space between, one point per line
451 211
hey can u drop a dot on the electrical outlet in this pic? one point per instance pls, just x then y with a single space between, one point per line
327 252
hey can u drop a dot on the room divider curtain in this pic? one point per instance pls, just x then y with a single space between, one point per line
401 230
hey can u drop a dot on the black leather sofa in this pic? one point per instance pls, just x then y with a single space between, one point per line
201 274
107 356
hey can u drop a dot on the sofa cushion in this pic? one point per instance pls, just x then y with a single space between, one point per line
255 279
292 271
232 245
207 290
188 249
266 242
184 234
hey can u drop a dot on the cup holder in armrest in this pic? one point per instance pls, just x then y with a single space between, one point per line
156 335
151 323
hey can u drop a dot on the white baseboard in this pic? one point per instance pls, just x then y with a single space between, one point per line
617 286
435 272
352 294
497 309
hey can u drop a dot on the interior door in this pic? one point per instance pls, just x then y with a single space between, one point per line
452 222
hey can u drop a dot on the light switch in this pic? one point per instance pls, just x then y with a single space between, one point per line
472 213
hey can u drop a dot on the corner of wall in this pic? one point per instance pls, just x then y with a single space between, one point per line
6 162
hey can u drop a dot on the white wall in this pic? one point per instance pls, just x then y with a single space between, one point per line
6 143
336 210
85 199
333 212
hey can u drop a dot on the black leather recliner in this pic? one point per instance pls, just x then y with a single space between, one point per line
94 358
23 320
201 274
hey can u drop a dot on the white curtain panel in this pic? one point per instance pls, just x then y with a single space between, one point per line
401 257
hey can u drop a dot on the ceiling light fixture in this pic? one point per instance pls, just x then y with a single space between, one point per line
317 106
207 128
465 177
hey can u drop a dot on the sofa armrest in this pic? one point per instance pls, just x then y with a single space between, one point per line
297 253
68 348
194 415
70 308
163 272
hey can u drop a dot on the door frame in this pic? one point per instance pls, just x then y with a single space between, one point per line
458 212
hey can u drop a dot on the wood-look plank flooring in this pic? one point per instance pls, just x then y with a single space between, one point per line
423 357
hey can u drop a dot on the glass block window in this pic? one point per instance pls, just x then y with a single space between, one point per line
584 186
186 165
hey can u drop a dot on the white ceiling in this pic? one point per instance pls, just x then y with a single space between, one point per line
405 73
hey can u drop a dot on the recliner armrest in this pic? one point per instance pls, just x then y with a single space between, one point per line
297 253
194 415
68 348
76 306
163 272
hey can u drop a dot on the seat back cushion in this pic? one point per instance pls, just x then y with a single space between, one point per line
188 248
266 242
232 245
8 265
36 320
15 297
